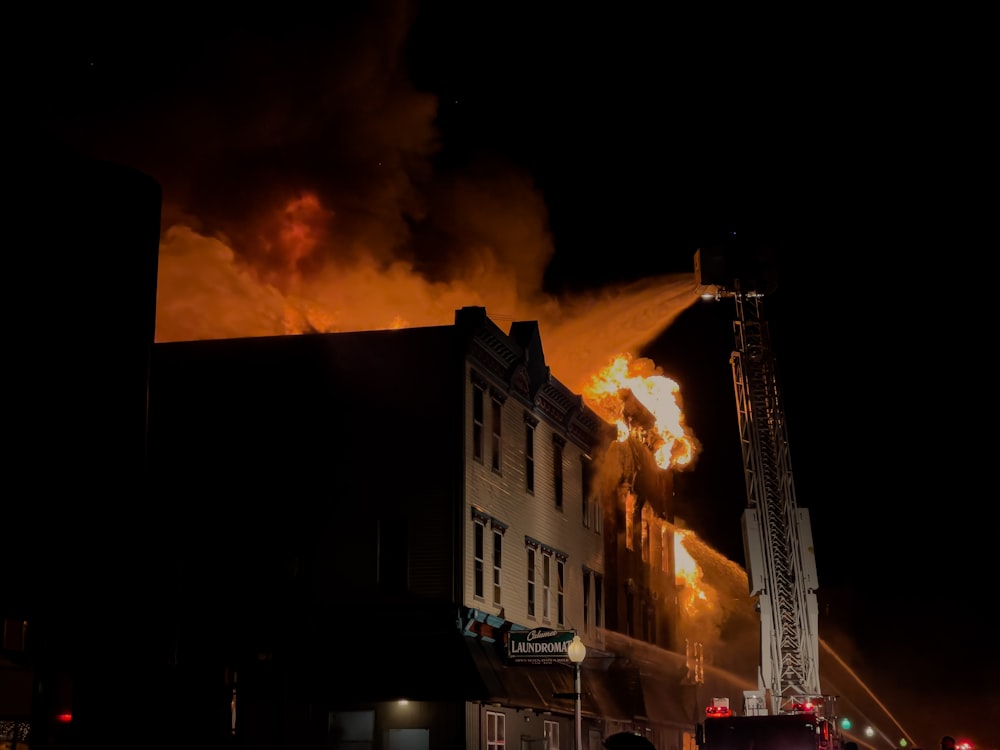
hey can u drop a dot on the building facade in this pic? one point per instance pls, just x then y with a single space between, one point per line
321 541
409 498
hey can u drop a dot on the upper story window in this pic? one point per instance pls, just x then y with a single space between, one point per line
531 581
649 622
664 549
560 592
497 564
629 521
546 587
478 400
585 482
557 469
479 553
586 600
645 541
496 427
497 528
598 600
530 423
547 578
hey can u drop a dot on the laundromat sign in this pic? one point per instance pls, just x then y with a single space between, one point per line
538 646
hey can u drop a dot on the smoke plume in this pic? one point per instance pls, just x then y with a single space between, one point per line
308 186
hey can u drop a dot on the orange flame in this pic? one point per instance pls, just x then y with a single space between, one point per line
607 394
688 575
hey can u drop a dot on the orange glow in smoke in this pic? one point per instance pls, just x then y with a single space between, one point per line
300 228
290 237
607 394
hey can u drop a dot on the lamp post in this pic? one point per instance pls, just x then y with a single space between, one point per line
576 652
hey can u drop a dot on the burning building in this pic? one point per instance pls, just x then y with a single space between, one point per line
423 501
374 516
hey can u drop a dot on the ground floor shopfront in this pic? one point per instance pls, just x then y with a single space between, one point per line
414 725
475 698
435 684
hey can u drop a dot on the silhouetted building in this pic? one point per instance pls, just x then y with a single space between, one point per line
361 518
275 542
81 270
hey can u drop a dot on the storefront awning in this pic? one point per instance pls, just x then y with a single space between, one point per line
608 690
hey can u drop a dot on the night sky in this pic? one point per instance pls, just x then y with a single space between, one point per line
561 151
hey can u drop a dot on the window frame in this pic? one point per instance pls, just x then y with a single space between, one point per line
560 592
532 573
530 425
558 456
598 600
496 720
496 432
644 539
546 586
478 416
479 558
497 565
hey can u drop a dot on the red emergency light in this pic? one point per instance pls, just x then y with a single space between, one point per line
717 711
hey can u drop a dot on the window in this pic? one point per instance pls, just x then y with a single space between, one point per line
649 622
529 452
594 741
496 730
598 600
546 594
353 728
629 521
495 425
410 739
561 592
531 582
664 549
550 733
585 482
644 531
598 512
477 422
497 564
479 527
586 600
480 520
557 468
552 579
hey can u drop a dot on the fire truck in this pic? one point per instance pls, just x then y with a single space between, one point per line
787 711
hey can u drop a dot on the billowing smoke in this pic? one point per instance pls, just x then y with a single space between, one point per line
308 185
206 289
310 182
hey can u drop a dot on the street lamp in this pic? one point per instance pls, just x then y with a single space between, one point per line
576 652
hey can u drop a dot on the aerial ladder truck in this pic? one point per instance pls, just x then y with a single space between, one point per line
788 709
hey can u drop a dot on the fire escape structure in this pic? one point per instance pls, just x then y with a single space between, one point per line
777 537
